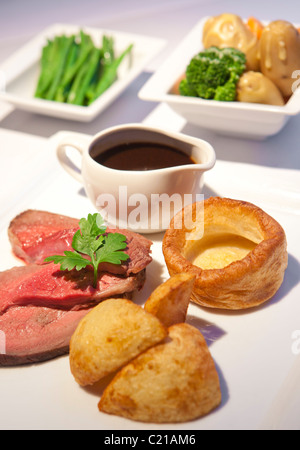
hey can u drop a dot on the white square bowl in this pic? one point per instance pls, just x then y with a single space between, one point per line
19 73
250 120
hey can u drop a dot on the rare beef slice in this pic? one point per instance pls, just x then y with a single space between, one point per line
41 306
35 235
46 285
33 334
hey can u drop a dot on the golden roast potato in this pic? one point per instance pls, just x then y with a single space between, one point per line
279 53
169 301
229 30
175 381
110 335
254 87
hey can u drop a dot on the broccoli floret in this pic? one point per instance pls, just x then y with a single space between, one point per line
186 89
227 92
214 73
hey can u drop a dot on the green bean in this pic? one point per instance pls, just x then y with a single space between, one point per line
108 50
92 86
85 48
49 56
82 80
64 85
109 75
65 44
78 55
106 58
43 65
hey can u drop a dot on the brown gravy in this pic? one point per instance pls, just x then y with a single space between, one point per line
142 156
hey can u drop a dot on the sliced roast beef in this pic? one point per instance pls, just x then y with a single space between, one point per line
35 235
40 305
29 230
46 285
33 334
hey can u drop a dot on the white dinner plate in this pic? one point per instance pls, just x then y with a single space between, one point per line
19 73
257 352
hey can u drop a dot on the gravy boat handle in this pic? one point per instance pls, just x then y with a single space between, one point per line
77 141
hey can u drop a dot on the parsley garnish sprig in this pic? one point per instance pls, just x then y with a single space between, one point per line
98 247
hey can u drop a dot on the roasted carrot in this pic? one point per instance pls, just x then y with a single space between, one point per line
255 26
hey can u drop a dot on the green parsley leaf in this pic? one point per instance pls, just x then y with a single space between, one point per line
86 239
110 252
70 261
100 222
92 240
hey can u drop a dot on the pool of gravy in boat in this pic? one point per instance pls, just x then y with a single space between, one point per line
142 156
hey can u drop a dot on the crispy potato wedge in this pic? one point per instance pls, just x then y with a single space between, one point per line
175 381
109 336
169 301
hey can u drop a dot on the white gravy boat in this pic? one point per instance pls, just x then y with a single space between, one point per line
143 201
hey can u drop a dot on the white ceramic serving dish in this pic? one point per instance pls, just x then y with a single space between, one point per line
249 120
20 72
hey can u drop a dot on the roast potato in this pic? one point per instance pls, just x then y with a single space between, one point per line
254 87
175 381
109 336
279 53
169 301
229 30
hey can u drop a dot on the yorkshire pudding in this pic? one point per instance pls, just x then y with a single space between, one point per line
237 252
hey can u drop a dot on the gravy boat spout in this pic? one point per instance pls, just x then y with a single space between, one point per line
141 200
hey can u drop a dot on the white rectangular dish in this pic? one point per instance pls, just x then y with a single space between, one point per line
249 120
19 73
